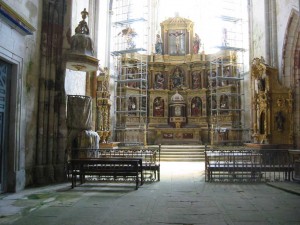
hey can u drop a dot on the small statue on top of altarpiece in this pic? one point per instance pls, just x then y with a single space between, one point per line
196 44
158 45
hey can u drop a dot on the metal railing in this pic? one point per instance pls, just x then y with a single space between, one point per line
247 165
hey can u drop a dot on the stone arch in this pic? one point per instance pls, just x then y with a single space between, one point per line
291 65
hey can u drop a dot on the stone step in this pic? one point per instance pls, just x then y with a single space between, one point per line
182 153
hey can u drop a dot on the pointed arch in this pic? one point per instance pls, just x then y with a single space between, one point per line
291 47
291 65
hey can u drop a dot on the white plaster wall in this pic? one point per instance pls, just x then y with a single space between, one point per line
283 9
75 82
22 52
102 29
257 36
28 9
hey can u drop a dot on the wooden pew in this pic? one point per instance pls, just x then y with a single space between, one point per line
150 157
107 167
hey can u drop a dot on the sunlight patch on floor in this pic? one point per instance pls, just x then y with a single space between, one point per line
182 167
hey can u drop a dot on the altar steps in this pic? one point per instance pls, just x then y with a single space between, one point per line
182 153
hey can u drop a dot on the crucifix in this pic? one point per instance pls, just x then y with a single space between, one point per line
177 36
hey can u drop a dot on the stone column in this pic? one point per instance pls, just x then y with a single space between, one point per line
52 132
271 33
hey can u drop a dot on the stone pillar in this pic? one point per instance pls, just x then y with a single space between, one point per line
52 132
271 33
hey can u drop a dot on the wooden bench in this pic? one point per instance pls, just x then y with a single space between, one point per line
150 157
246 165
107 167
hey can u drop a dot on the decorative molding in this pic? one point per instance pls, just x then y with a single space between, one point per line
14 20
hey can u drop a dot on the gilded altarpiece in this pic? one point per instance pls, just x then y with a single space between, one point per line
179 89
177 102
272 107
103 108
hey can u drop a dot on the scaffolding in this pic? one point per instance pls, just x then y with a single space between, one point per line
130 45
226 80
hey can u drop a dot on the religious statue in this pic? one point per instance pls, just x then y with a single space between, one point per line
132 104
129 34
130 76
177 36
158 107
196 43
158 45
226 74
224 104
196 106
195 80
177 79
159 81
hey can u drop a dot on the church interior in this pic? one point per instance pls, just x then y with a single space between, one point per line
108 74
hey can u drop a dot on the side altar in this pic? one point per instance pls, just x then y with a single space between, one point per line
272 108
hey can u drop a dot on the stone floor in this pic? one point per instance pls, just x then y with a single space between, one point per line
181 197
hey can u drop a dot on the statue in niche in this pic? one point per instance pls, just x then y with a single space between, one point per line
196 44
178 36
132 104
279 119
158 45
224 103
195 80
158 107
177 78
196 105
130 76
159 81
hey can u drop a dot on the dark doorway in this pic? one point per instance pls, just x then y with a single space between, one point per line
5 75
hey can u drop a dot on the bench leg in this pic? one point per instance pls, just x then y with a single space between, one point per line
73 179
137 181
142 177
209 175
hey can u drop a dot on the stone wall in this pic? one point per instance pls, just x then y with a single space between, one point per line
22 51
